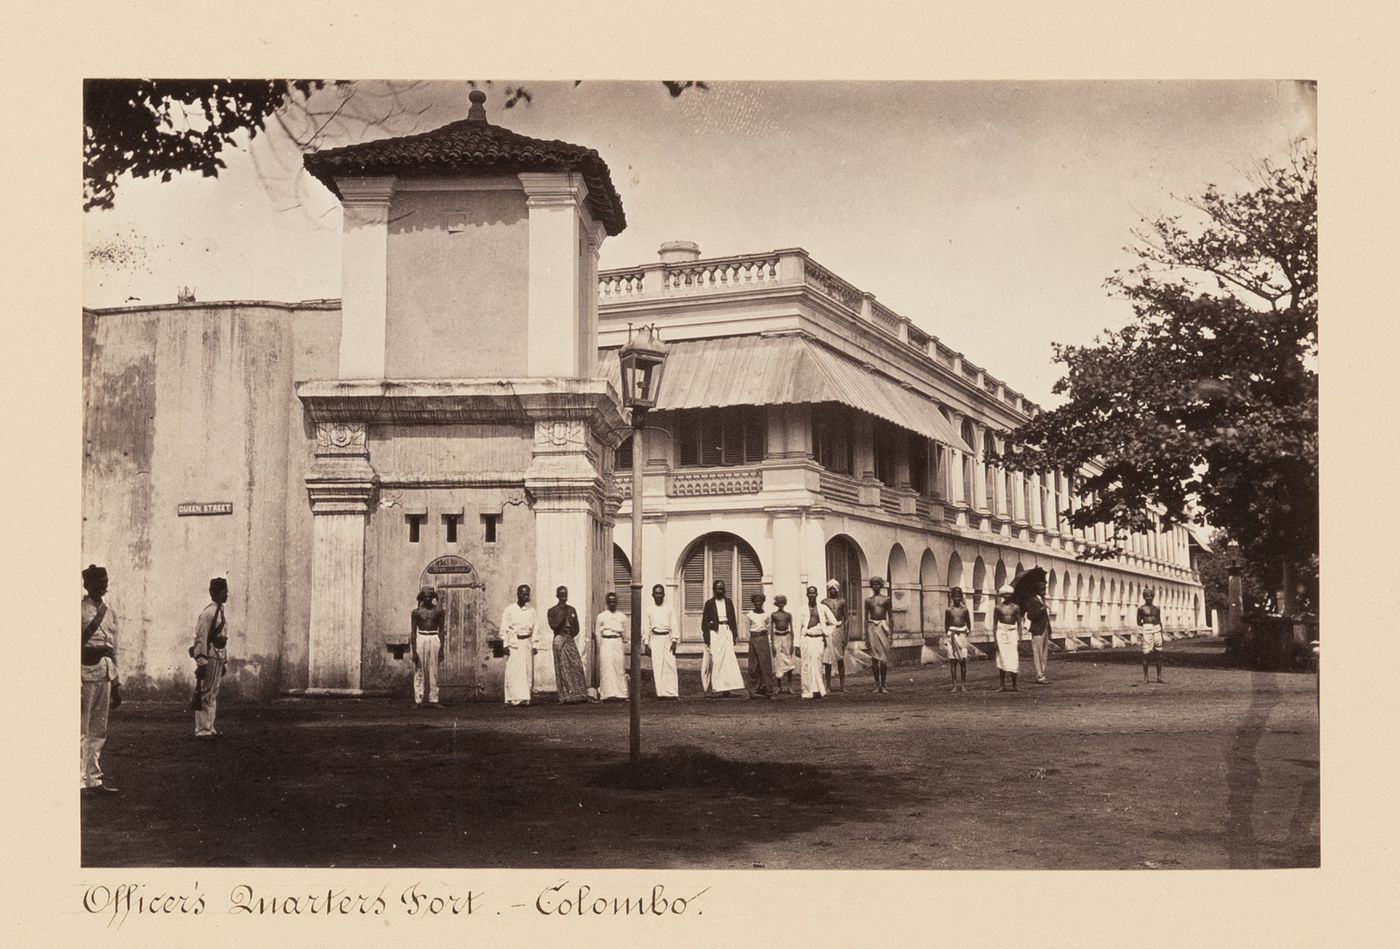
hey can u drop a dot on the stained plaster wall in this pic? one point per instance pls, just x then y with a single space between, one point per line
195 404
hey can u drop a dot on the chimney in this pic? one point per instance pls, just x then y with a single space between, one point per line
184 295
679 252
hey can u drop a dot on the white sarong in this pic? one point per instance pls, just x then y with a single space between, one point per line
1008 660
813 648
612 668
719 669
958 643
612 658
518 634
1151 637
663 667
783 659
425 671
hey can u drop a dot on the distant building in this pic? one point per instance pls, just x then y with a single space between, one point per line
454 420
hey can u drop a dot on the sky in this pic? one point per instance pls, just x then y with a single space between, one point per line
989 213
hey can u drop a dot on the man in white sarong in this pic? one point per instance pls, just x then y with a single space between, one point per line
719 668
609 629
1149 620
784 659
818 625
659 623
518 623
99 677
210 655
1006 630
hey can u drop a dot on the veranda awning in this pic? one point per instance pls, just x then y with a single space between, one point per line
786 370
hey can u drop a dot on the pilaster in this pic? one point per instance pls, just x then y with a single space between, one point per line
364 275
557 320
340 487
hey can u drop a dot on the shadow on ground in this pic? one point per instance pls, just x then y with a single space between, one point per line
290 786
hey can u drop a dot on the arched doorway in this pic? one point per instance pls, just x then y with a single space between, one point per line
845 565
461 594
930 602
999 582
717 556
900 590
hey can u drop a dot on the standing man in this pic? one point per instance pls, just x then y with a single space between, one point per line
210 657
608 629
1038 615
817 629
1149 619
760 648
719 668
784 660
425 632
518 622
1006 630
660 624
836 648
877 634
99 656
569 676
957 622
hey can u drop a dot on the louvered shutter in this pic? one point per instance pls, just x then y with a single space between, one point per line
693 578
622 581
750 577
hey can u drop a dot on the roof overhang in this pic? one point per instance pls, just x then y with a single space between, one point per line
787 370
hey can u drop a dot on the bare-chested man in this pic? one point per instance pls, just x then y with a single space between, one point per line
957 623
836 648
1006 630
1149 619
877 634
425 641
784 661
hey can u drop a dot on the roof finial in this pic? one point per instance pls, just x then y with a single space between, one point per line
477 113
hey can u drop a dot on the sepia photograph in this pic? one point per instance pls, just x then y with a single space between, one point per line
711 474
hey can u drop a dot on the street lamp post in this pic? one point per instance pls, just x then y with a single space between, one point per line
641 361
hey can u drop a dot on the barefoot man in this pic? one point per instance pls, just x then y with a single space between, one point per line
836 647
1006 630
877 633
425 634
956 624
518 622
1149 619
783 659
660 625
817 628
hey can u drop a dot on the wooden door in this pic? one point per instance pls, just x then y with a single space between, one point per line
461 594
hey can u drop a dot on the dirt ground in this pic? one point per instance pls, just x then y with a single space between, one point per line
1218 768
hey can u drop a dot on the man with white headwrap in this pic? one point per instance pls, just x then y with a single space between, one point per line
816 625
836 648
1006 631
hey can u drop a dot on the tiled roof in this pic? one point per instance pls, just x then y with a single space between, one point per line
474 145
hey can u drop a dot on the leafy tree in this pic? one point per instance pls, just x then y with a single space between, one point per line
147 127
1205 404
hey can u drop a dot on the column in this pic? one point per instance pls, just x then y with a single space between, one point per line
788 569
1036 515
364 274
1018 498
556 325
340 486
864 447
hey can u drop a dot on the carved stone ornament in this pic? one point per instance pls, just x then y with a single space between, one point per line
340 438
560 434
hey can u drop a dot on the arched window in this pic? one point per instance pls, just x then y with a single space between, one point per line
899 586
622 580
623 459
968 461
717 556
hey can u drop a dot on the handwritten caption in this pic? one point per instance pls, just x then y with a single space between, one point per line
125 901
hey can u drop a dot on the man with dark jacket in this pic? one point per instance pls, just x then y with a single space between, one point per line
719 667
